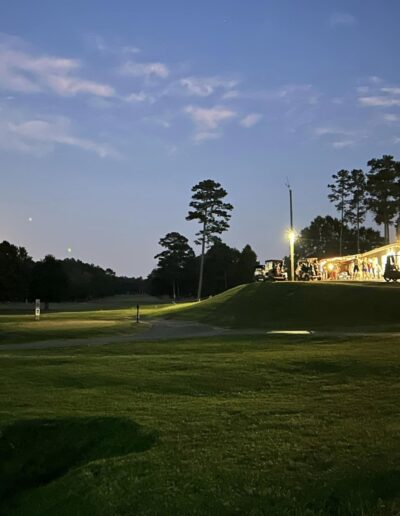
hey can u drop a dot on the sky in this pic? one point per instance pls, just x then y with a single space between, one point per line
111 111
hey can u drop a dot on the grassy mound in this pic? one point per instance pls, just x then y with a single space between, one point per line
255 425
35 452
301 306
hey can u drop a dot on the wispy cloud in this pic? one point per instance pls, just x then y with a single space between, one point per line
139 97
205 86
391 117
208 120
379 101
147 70
21 71
203 136
250 120
341 144
341 137
331 131
287 94
98 43
342 19
391 91
40 136
231 94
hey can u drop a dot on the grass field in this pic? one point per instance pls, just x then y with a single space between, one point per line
270 306
255 425
287 305
112 317
261 426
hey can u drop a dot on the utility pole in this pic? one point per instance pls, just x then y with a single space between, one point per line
292 235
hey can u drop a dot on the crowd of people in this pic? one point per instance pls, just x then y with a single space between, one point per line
357 269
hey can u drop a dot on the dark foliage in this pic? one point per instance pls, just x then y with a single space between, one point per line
321 238
209 209
224 267
57 280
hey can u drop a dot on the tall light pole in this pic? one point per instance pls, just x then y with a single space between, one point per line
292 234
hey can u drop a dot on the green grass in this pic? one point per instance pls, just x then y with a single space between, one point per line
260 426
288 305
105 303
270 306
68 325
79 323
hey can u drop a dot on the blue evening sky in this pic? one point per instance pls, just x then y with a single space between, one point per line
111 111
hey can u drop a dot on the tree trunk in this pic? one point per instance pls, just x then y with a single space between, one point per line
173 291
386 233
203 249
358 228
341 231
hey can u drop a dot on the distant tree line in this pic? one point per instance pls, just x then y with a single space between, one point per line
52 280
180 273
355 193
377 191
324 235
177 273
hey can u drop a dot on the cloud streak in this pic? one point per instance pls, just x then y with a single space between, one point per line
208 120
23 72
250 120
205 86
147 70
379 101
39 136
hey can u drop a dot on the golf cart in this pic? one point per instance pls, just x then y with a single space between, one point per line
392 272
308 270
259 273
272 270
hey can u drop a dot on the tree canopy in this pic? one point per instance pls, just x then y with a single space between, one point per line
209 209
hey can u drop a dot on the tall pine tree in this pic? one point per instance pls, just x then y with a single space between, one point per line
210 210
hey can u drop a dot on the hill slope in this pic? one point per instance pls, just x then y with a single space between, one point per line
301 306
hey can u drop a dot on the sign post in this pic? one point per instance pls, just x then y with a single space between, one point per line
137 314
37 310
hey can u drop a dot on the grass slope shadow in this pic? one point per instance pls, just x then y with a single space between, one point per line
35 452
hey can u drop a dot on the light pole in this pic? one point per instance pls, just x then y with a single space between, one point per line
292 234
292 238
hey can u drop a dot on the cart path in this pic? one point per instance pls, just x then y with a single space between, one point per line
167 329
161 329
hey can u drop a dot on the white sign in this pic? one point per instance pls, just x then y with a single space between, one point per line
37 309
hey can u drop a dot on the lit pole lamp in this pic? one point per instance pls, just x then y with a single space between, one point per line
292 238
291 232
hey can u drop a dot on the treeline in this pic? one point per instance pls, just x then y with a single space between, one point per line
355 194
182 274
52 280
377 191
177 272
328 237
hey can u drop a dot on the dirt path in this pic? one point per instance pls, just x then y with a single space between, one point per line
162 329
159 330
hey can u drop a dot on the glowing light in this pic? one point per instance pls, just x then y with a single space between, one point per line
331 267
30 219
292 235
290 332
69 250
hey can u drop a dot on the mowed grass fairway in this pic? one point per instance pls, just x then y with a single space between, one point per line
270 306
76 320
257 425
313 305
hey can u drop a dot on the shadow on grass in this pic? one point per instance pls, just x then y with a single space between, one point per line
376 493
36 452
